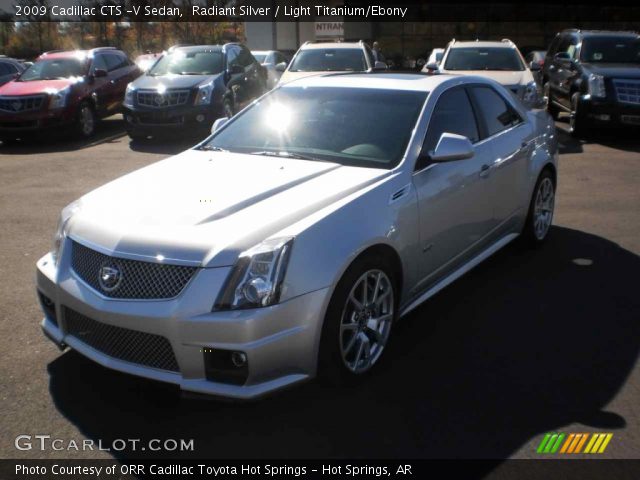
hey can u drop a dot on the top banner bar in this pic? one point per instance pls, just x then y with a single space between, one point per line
303 11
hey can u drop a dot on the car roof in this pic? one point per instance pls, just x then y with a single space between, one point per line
336 45
383 81
605 33
482 44
198 48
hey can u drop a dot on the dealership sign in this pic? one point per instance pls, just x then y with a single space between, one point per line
329 30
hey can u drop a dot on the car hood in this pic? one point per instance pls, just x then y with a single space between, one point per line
622 70
207 207
288 76
37 86
504 78
172 81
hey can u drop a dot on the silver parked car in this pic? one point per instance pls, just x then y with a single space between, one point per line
288 243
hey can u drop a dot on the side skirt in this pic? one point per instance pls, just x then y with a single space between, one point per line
459 272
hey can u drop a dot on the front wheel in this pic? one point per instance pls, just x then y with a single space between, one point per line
358 320
541 210
577 120
86 121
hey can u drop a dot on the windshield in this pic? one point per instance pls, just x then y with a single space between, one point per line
480 58
260 57
610 50
54 68
188 63
351 126
329 60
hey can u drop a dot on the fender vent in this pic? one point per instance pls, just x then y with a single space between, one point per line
400 193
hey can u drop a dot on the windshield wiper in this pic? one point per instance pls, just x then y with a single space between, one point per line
284 154
212 148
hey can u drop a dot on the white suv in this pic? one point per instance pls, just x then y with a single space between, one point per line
318 58
500 61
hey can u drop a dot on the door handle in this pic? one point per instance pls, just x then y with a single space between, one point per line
484 170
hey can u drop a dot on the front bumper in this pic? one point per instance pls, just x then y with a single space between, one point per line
35 122
150 121
280 342
606 112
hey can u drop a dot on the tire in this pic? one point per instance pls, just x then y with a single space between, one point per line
577 121
355 333
227 107
540 214
86 120
551 108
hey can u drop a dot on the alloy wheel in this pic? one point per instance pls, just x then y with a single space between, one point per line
366 321
87 122
543 208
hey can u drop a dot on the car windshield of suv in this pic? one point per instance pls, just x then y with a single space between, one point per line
188 63
481 58
329 60
610 50
362 127
54 68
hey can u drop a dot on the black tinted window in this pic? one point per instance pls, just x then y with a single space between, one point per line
115 62
4 69
483 58
496 114
232 57
329 60
611 50
453 114
99 63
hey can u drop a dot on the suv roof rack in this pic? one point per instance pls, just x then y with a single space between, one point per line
506 40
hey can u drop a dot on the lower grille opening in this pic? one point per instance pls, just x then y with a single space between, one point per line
223 366
129 345
49 308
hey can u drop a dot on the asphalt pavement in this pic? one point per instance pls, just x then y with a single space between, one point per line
531 341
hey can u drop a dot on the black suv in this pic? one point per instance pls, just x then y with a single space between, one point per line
190 87
595 76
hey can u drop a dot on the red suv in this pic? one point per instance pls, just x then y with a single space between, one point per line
65 89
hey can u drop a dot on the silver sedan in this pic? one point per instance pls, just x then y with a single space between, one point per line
287 244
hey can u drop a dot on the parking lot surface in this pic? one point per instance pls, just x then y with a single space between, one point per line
531 341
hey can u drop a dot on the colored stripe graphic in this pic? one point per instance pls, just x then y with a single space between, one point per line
573 443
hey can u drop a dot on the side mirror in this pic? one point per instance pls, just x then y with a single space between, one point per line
431 67
379 65
99 73
218 124
534 67
235 69
281 67
452 147
562 56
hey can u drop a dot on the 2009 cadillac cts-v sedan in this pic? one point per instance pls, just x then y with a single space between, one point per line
287 244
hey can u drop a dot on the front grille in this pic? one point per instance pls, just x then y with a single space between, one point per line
627 91
630 119
130 279
129 345
21 104
170 98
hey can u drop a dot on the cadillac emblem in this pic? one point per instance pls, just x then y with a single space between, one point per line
110 277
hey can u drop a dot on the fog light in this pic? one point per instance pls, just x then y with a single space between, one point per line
239 359
200 118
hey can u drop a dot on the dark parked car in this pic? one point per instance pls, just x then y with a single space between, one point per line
595 77
9 69
190 87
63 89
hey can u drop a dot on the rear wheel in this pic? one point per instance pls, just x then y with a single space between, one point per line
358 322
541 210
86 121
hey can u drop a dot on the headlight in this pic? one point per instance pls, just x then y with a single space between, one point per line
256 279
61 230
128 96
596 86
531 94
59 99
204 94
